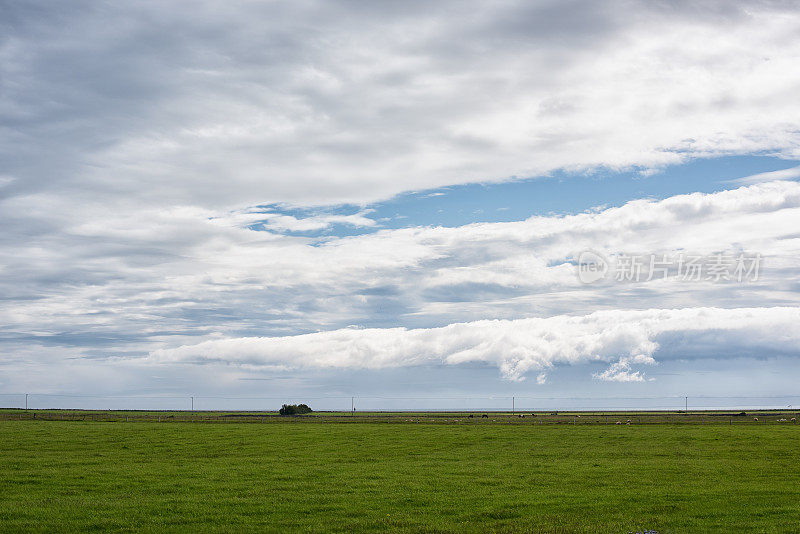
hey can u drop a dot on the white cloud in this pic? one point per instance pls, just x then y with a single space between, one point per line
784 174
162 276
290 223
620 371
182 286
324 103
516 347
280 222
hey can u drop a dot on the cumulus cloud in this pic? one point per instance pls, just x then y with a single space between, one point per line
622 337
620 371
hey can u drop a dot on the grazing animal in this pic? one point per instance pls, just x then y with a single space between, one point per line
755 419
485 416
619 422
793 419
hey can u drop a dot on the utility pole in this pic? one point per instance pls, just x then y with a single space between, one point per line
26 401
687 404
192 403
353 405
512 405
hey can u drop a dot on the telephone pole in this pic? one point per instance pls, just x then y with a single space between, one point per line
192 403
512 405
26 401
687 404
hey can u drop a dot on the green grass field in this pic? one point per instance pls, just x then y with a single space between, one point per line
83 476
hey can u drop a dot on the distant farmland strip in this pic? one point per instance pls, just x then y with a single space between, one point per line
762 417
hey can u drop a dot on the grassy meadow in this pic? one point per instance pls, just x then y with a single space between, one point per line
297 477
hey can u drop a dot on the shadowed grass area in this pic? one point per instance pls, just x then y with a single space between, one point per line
80 476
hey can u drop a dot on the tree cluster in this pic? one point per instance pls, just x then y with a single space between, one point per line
294 409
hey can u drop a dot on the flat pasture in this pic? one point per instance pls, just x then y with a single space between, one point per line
376 477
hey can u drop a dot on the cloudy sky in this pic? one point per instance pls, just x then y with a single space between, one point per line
256 202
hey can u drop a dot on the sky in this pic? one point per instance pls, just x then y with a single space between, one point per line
450 205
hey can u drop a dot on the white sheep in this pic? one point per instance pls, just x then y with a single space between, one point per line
755 419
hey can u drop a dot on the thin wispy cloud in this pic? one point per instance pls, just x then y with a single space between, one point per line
783 174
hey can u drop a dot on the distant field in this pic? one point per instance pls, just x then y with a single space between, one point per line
81 476
706 417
